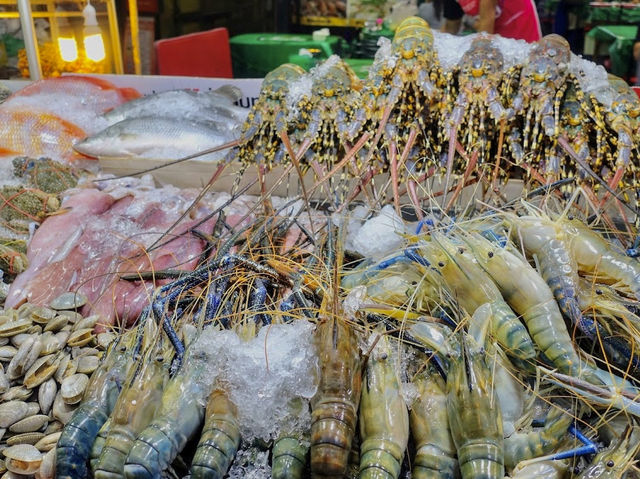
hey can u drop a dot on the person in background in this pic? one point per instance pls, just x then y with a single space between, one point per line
509 18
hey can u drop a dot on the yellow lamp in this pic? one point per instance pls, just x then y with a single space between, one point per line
67 41
93 41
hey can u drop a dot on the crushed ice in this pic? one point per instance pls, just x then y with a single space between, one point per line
265 376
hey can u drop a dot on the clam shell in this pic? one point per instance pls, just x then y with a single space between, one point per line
81 337
46 394
34 408
88 322
12 328
57 323
17 393
61 410
35 329
69 300
48 442
30 424
25 438
50 344
86 351
62 336
104 339
88 364
4 383
11 412
48 465
18 339
73 387
24 358
54 426
73 316
22 459
41 370
7 352
42 315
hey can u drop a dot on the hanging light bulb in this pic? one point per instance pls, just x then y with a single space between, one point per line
67 41
93 41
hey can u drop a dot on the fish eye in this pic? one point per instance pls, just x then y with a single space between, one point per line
490 254
610 463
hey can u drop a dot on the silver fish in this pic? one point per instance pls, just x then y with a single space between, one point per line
159 138
183 104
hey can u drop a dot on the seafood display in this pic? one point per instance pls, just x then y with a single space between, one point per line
394 326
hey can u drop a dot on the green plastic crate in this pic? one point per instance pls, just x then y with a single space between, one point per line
255 54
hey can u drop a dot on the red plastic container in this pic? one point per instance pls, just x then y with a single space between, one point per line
201 54
636 89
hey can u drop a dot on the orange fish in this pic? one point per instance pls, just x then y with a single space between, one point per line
81 86
34 134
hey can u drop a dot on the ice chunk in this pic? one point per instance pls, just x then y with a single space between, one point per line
380 235
250 463
354 300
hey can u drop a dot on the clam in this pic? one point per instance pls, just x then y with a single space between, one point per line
57 323
22 459
46 394
12 411
73 316
12 328
48 465
69 300
30 424
41 370
24 358
104 339
73 387
88 322
88 364
25 438
80 337
50 344
54 426
20 338
17 393
42 315
4 383
7 353
48 442
61 410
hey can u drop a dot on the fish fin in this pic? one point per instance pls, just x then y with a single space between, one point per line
129 94
7 152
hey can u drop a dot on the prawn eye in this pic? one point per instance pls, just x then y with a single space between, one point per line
413 283
598 291
610 464
441 264
461 250
570 217
490 254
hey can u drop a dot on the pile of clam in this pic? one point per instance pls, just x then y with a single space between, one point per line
46 357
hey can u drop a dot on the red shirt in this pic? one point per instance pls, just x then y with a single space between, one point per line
514 18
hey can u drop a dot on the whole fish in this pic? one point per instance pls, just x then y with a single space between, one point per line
184 104
158 138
